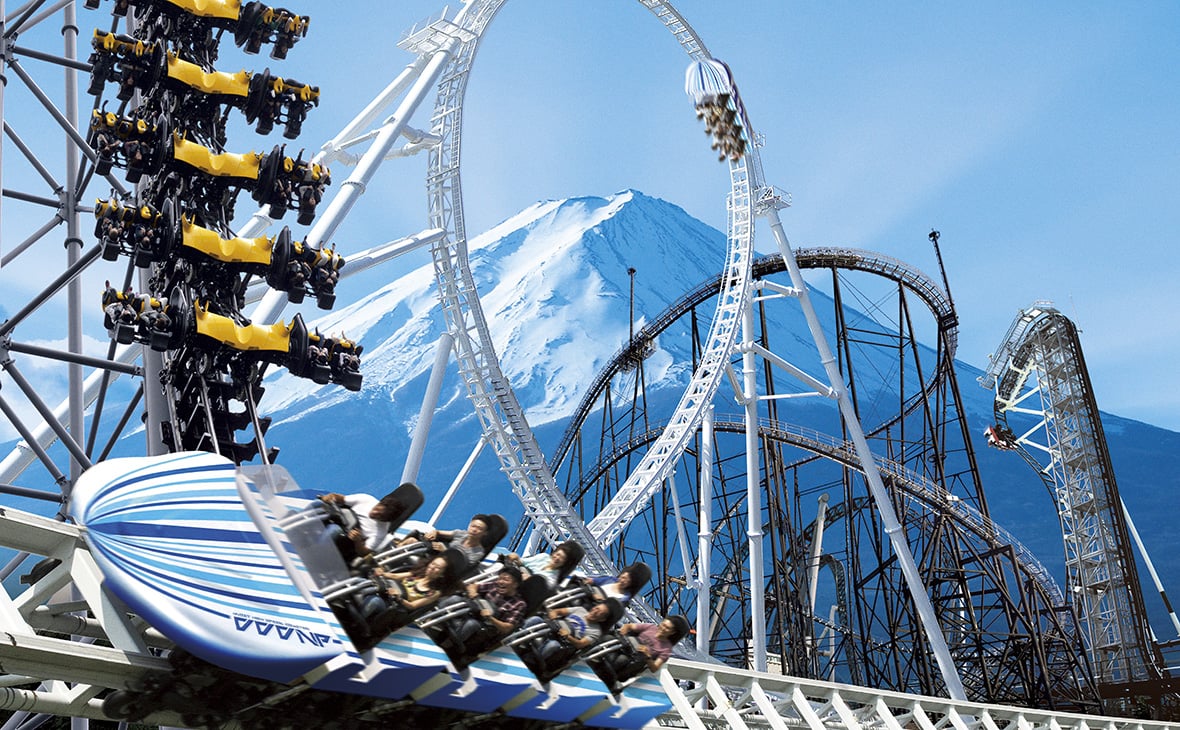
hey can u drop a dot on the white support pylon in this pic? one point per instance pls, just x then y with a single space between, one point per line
901 549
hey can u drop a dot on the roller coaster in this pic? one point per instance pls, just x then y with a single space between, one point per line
1042 387
192 587
971 560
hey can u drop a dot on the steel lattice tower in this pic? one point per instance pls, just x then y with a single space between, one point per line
1040 378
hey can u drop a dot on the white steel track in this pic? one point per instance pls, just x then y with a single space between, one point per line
503 420
713 696
505 425
1039 372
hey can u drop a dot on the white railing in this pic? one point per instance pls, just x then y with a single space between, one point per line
713 696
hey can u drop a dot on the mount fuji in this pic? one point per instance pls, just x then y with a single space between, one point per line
556 288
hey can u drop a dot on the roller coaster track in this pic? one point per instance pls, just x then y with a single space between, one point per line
500 414
498 410
914 486
1051 624
1039 371
850 259
1035 608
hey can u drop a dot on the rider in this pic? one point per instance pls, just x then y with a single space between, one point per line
554 567
372 531
656 640
623 586
470 542
579 629
506 610
651 648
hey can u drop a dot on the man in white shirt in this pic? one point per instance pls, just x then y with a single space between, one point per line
372 515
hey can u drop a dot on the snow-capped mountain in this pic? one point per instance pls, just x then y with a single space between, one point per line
553 279
555 286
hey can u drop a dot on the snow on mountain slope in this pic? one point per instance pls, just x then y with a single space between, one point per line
554 287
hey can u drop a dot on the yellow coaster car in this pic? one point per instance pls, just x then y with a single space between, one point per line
143 66
306 354
252 24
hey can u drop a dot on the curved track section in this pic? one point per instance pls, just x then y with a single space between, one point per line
964 559
851 259
1012 634
491 395
1041 355
500 413
935 441
912 485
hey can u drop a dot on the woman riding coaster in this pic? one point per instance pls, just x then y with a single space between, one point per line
643 646
563 634
394 599
554 567
586 591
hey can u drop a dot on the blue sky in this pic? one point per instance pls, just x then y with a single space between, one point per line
1041 139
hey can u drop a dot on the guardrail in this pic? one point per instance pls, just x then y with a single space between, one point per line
713 696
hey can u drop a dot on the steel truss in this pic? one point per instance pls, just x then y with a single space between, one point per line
1043 391
198 393
1013 636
